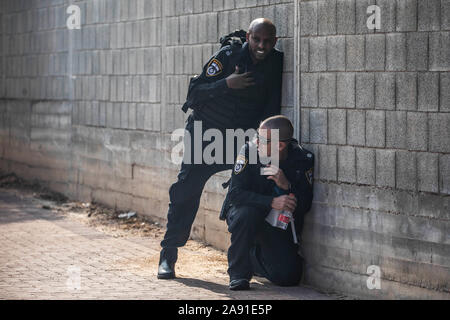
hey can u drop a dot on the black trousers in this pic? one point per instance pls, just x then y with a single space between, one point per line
258 248
185 196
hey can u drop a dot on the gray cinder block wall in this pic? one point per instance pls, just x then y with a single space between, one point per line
374 106
90 112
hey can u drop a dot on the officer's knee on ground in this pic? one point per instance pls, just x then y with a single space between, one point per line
287 274
287 278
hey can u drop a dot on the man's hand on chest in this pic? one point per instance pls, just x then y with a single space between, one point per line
240 80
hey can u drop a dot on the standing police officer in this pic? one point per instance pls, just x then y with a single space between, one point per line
238 88
257 247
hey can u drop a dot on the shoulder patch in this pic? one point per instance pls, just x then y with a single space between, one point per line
241 162
214 68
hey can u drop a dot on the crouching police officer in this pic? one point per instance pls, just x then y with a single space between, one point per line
257 247
240 86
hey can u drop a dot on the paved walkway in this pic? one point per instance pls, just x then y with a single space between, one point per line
46 255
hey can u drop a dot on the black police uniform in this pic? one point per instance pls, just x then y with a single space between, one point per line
256 246
220 107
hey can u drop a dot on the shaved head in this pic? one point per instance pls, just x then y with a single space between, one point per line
262 23
261 37
282 123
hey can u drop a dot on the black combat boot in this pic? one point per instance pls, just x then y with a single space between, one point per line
239 284
167 259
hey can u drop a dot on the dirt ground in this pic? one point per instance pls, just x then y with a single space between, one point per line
106 220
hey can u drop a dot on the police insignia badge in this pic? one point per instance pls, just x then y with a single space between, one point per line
214 68
241 162
309 175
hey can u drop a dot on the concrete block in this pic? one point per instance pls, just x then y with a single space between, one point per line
287 90
427 172
116 115
113 88
130 34
140 116
309 89
428 91
396 52
287 46
385 168
173 30
223 22
188 7
345 16
227 4
170 60
365 91
124 117
327 90
95 117
417 51
132 61
178 68
417 132
91 88
136 83
109 109
187 60
304 125
406 91
439 59
444 173
445 92
233 20
328 163
396 129
326 17
406 170
385 90
439 124
406 15
347 164
317 54
429 15
356 127
375 128
365 166
361 15
120 87
258 11
284 15
197 60
318 126
345 90
132 116
445 14
128 81
203 30
355 53
308 18
337 123
375 52
193 30
335 53
387 15
198 6
124 62
102 114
